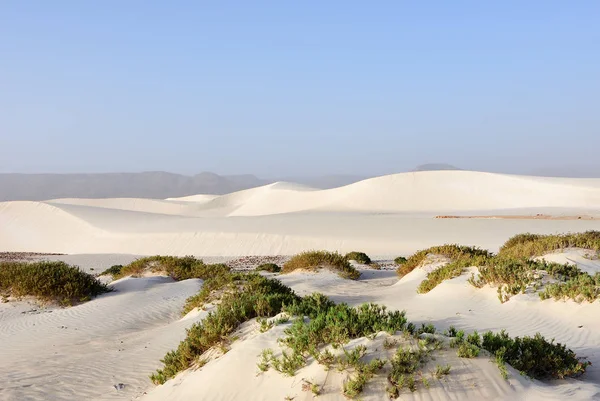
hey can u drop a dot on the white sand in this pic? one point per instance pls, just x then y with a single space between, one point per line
386 216
235 375
80 353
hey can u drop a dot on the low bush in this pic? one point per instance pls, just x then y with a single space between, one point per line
114 271
467 350
359 257
404 364
400 260
534 356
529 245
179 268
513 276
337 324
453 252
257 297
49 282
582 287
314 260
449 271
269 267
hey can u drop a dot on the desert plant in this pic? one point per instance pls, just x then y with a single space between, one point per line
404 364
467 350
534 356
453 252
314 260
256 296
441 371
269 267
400 260
179 268
528 245
49 282
359 257
114 271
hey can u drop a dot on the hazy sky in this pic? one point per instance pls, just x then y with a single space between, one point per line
298 88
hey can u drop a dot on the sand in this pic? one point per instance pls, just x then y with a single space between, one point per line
389 216
106 348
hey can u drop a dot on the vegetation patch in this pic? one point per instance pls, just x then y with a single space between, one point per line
528 245
257 297
179 268
449 271
512 272
114 271
514 276
581 287
400 260
359 257
269 267
453 252
534 356
314 260
319 324
49 282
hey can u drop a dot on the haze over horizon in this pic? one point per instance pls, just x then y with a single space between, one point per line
296 90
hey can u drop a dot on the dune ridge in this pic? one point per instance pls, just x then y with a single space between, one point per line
383 216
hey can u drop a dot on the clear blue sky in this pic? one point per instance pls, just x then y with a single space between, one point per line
298 88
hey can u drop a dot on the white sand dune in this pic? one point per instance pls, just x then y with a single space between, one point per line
80 353
454 302
384 216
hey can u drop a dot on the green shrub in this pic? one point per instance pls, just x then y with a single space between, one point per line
405 364
49 281
400 260
529 245
453 252
513 276
468 350
269 267
449 271
218 281
534 356
112 271
179 268
257 296
359 257
314 260
583 287
441 371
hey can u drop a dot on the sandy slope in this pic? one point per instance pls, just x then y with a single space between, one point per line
77 353
384 216
81 353
452 303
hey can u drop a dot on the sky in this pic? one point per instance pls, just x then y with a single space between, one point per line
278 88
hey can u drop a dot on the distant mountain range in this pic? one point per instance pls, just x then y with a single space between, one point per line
154 185
161 185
